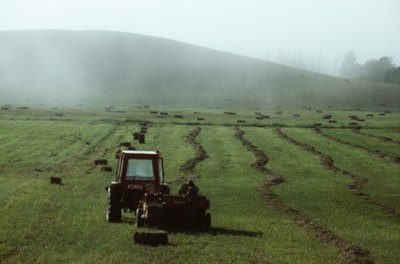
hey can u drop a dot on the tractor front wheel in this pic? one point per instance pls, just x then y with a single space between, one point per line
207 221
139 219
114 204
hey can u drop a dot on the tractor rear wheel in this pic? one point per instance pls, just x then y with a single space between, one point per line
139 219
207 221
114 203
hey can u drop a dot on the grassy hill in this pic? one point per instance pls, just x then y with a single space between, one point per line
124 68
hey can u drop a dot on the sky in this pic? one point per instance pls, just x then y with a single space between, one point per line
268 29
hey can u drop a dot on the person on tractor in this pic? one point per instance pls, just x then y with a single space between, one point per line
191 198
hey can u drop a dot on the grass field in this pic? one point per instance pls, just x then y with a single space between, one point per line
338 200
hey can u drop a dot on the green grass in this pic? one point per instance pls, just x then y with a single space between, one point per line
390 133
346 135
213 116
48 223
322 195
382 175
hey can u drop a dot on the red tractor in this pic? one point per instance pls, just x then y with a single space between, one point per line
139 187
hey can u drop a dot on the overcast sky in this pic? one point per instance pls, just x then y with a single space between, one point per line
257 28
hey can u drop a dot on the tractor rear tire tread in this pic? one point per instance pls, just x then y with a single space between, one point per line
114 204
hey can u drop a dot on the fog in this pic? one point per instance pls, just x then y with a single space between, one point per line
305 33
111 51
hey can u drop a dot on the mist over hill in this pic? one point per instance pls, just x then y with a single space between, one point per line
106 67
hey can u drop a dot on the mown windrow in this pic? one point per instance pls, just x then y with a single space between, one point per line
201 154
375 152
386 139
327 161
349 253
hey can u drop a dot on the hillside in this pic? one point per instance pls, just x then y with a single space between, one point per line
124 68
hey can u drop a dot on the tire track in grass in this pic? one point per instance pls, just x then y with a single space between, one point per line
188 166
357 182
349 253
386 139
375 152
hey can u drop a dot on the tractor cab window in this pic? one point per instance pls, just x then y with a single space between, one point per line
140 169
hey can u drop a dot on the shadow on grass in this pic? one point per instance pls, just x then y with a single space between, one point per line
213 231
235 232
198 230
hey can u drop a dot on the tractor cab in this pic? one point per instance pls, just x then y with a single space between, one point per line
138 172
140 169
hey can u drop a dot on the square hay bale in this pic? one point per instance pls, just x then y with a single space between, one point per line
108 169
100 162
125 144
55 180
151 239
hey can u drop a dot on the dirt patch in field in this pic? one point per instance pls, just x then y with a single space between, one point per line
357 182
386 139
375 152
348 253
188 166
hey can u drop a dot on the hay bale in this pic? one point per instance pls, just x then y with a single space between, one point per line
136 136
55 180
151 239
241 121
100 162
109 169
125 144
327 117
200 118
141 138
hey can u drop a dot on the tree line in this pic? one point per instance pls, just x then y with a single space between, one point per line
378 70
